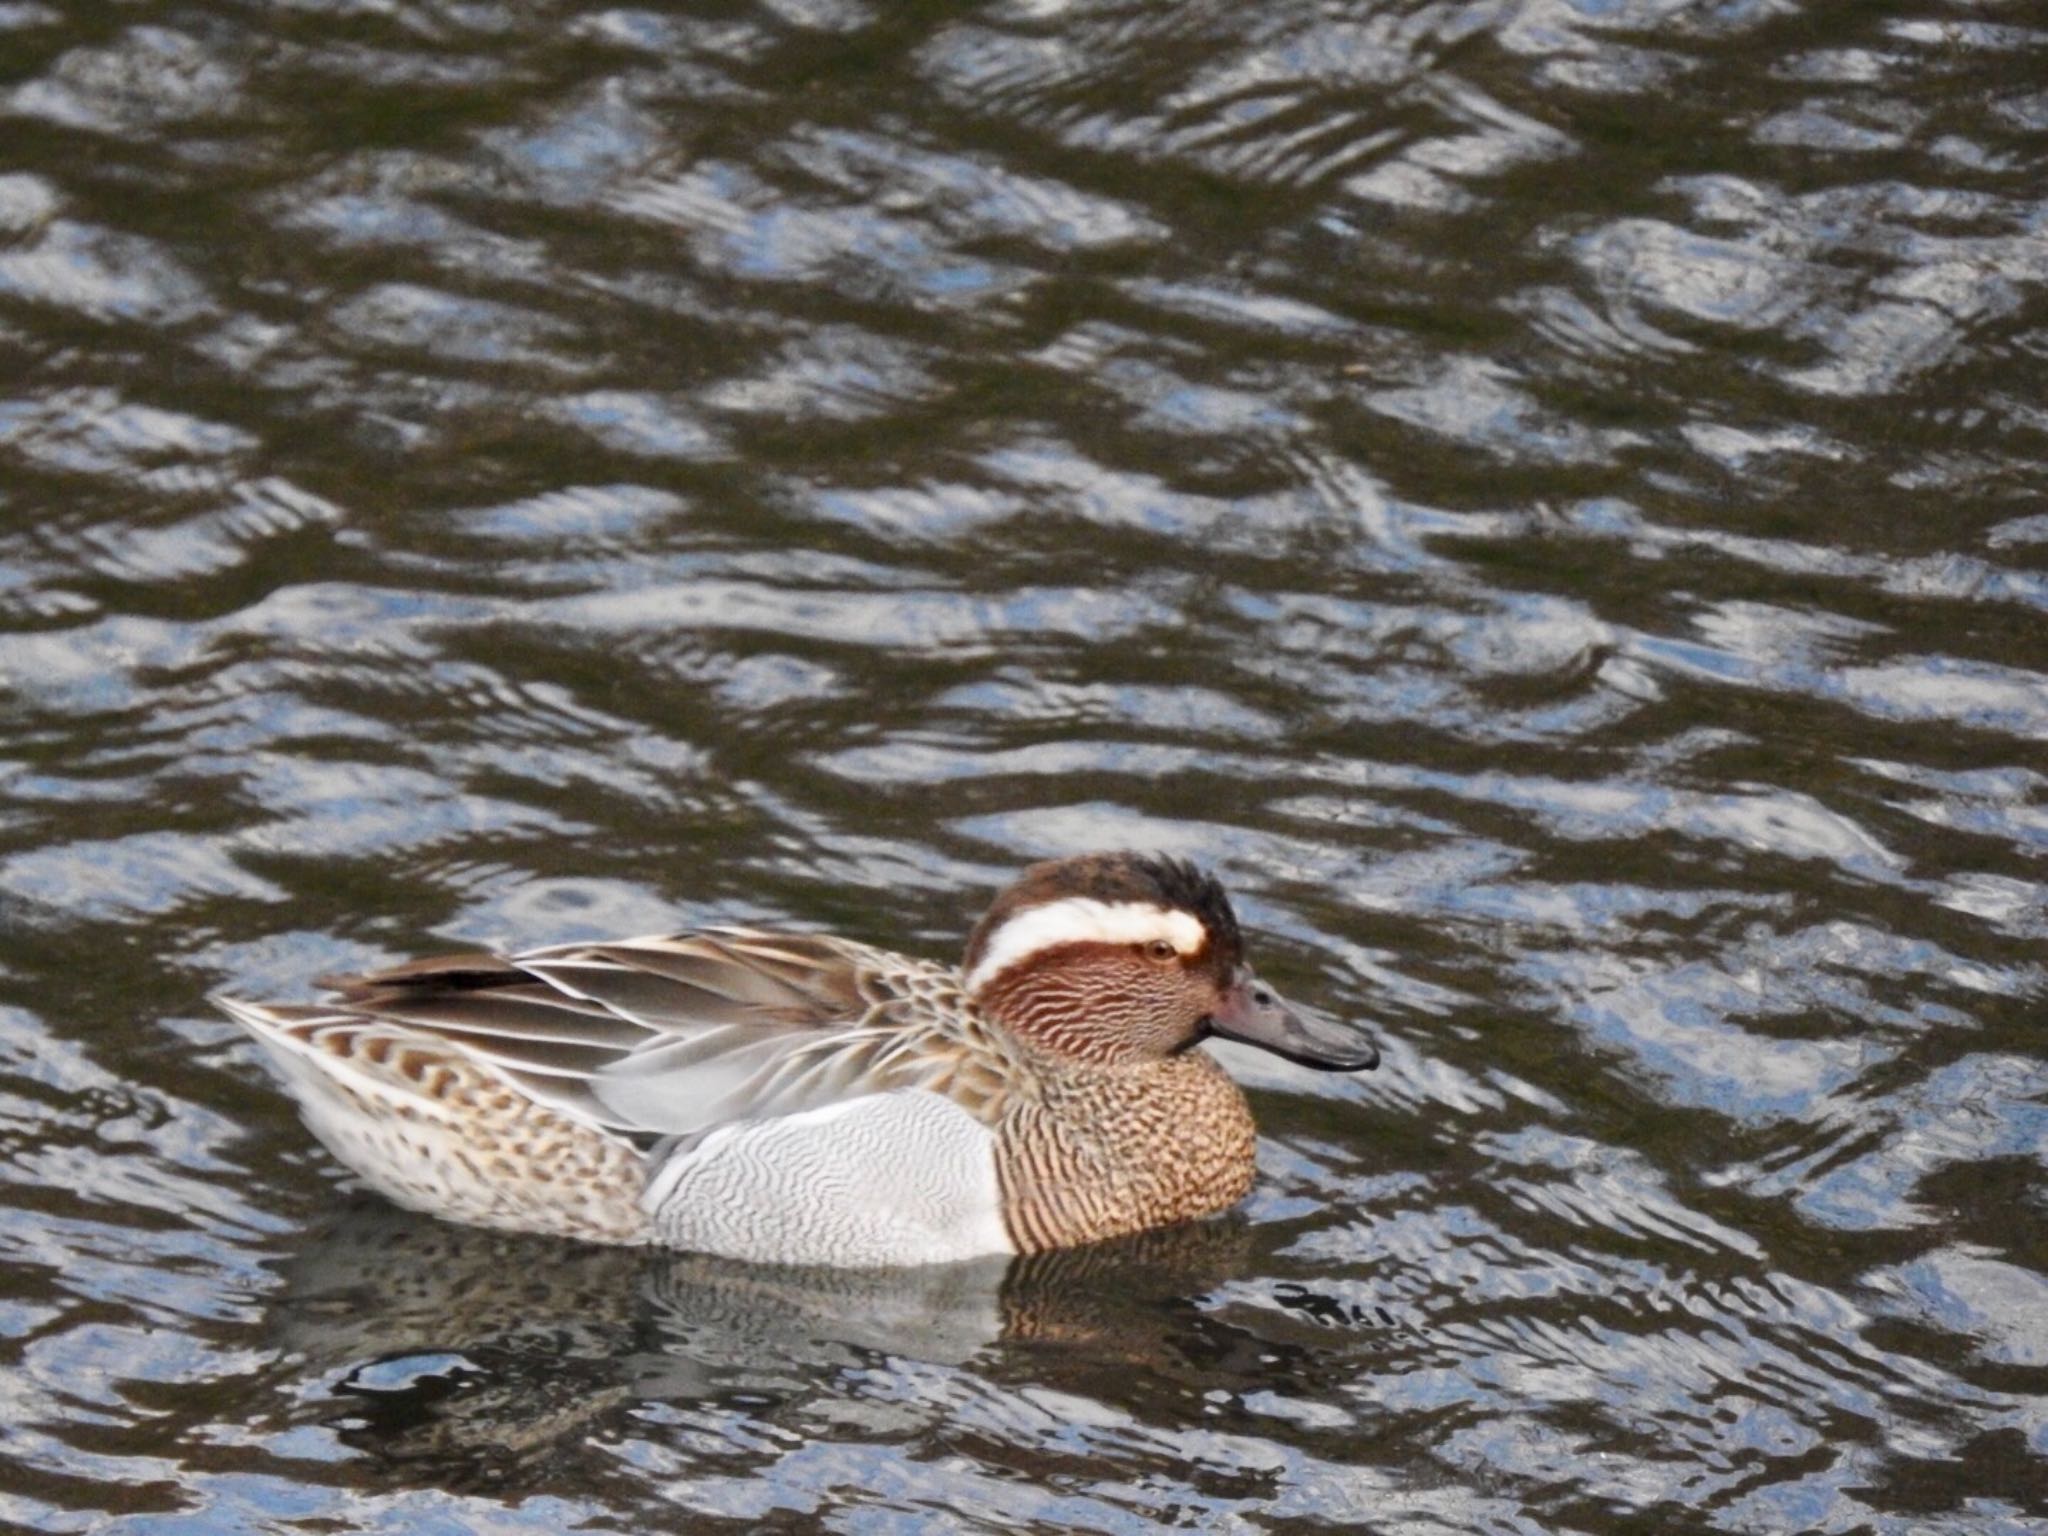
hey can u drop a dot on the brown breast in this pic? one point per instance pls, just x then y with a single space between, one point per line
1093 1152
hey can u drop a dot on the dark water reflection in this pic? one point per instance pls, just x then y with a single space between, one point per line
1547 497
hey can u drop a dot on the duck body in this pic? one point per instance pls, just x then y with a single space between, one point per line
802 1099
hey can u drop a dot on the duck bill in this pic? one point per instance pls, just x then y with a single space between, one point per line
1254 1013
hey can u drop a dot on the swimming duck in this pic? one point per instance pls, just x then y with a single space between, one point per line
800 1099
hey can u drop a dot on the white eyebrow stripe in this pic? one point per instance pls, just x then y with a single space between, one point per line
1084 920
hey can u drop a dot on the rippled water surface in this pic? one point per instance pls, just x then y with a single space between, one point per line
1546 497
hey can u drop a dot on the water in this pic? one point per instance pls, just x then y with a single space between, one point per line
1547 498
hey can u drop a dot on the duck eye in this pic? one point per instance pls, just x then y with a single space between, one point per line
1162 950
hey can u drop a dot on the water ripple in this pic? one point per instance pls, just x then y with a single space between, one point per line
1543 496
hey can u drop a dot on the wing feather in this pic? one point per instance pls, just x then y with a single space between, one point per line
675 1035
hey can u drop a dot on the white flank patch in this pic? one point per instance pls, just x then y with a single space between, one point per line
907 1177
1084 920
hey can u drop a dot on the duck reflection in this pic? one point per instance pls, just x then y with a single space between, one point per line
483 1350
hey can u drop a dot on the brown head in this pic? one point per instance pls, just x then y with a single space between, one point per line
1124 957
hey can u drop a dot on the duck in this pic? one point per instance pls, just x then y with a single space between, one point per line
791 1098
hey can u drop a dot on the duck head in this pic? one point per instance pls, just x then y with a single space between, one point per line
1120 957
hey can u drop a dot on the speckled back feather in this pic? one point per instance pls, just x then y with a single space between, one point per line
670 1036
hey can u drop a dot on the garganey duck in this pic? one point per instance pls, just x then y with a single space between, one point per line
799 1099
